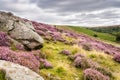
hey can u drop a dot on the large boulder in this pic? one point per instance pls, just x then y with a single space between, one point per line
17 72
20 30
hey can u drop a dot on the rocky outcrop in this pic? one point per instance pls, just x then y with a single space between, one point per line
20 30
17 72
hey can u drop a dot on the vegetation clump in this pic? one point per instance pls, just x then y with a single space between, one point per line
45 64
23 58
84 63
2 74
95 35
66 52
118 37
87 47
117 58
91 74
4 40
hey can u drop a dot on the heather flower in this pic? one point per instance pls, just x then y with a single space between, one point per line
81 61
43 27
104 71
46 30
78 55
4 40
117 58
45 64
66 52
87 47
84 63
41 32
91 74
19 47
23 58
38 54
57 37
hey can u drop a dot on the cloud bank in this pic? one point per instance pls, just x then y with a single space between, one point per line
69 12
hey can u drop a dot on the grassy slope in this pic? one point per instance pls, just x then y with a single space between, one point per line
63 67
2 75
107 29
103 36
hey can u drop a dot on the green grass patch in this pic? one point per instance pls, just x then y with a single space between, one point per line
106 61
2 75
103 36
63 68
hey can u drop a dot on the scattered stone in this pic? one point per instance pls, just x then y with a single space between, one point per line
18 72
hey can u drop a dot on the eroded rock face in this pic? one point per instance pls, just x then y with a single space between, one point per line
17 72
20 30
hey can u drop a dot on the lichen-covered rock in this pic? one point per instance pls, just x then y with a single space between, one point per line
20 30
18 72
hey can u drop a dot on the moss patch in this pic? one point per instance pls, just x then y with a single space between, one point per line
2 75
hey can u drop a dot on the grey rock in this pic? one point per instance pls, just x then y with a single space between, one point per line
17 72
20 30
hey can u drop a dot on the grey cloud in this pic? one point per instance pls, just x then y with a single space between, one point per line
103 15
77 5
77 12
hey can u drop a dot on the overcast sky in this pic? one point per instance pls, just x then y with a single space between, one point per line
70 12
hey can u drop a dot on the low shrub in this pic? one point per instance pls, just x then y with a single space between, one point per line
117 58
80 61
118 37
45 64
23 58
95 35
91 74
66 52
78 55
87 47
4 40
2 74
104 71
73 57
84 63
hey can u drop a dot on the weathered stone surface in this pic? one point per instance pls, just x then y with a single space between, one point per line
17 72
20 30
